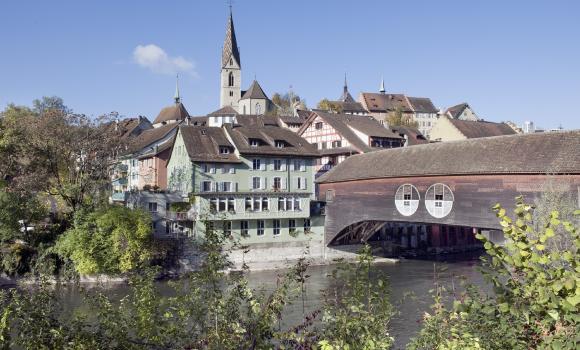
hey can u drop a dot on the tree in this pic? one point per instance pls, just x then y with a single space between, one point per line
536 293
111 240
330 106
396 118
287 103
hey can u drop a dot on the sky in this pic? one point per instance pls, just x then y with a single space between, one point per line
510 60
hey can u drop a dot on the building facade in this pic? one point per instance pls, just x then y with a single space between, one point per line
447 129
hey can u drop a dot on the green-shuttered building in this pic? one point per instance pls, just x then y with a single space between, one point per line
249 177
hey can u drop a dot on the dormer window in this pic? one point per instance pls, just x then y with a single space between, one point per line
279 144
254 142
224 150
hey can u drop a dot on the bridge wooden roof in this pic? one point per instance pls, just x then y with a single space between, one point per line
541 153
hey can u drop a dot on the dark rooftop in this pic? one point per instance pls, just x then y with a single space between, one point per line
203 144
555 152
175 112
254 92
476 129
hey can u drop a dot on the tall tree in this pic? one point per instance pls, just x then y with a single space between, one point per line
396 118
330 106
287 103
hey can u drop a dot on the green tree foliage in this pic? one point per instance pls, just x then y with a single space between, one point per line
536 292
208 310
107 241
396 118
287 103
330 106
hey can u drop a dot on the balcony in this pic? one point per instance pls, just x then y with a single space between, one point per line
120 196
180 216
265 214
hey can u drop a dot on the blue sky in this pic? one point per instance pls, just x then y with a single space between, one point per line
511 60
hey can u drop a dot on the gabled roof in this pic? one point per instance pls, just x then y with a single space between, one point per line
151 136
227 110
345 123
476 129
254 92
414 136
203 144
555 152
230 48
455 111
385 102
261 128
175 112
422 105
125 128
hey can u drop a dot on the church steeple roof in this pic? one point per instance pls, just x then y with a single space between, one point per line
255 91
230 48
346 97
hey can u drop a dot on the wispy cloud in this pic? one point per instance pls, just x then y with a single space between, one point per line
154 58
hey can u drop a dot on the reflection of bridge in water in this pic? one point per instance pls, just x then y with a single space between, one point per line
444 189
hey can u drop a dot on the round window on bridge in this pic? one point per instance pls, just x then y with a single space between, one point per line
439 200
407 199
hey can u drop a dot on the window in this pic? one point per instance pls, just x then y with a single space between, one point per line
307 226
231 79
226 186
315 145
256 206
206 186
205 168
256 182
277 183
209 226
224 150
231 93
281 204
299 165
258 108
254 142
297 204
439 200
231 205
301 183
222 203
277 164
279 144
231 169
153 207
213 203
244 228
276 225
227 228
265 204
248 204
329 195
324 145
336 144
291 225
407 199
231 61
260 225
318 125
256 164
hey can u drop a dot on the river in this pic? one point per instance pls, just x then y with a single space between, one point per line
408 276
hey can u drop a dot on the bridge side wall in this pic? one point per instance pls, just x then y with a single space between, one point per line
364 200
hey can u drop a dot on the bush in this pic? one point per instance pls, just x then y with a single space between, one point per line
535 297
110 241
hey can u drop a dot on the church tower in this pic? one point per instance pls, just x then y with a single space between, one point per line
231 69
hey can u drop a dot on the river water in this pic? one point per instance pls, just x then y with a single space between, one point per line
408 276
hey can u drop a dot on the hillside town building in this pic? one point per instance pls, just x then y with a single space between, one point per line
338 136
447 129
461 111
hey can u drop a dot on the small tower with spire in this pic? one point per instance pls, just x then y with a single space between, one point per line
176 96
231 68
382 89
346 97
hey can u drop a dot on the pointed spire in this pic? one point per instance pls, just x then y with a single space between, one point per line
176 96
345 97
230 49
382 90
345 89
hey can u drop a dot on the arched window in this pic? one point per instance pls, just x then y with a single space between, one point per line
231 79
231 61
407 199
258 108
439 200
